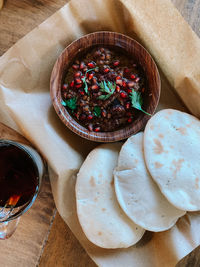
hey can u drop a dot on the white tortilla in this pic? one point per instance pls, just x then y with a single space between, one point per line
172 154
102 220
138 194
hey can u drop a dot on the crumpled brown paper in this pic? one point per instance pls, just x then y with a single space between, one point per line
25 105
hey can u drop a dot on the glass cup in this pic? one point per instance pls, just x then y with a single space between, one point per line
21 172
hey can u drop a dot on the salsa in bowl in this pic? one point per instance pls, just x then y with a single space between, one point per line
105 86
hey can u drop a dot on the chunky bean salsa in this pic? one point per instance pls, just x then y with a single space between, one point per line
103 89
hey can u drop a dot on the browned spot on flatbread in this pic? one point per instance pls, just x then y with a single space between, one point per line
177 164
161 135
136 161
103 209
182 130
197 183
169 112
158 149
151 127
92 181
158 165
196 122
96 199
99 233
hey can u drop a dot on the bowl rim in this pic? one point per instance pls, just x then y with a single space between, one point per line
70 122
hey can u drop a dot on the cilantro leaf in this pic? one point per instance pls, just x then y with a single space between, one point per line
63 103
84 81
137 101
106 87
85 85
104 97
97 111
70 103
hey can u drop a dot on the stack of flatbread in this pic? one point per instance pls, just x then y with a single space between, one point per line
145 184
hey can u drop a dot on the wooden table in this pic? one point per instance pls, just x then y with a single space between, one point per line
42 238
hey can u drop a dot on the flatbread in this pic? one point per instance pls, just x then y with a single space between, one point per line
102 220
138 194
172 154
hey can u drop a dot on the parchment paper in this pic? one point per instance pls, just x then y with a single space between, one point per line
25 105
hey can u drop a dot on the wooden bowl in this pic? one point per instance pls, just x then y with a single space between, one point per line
135 50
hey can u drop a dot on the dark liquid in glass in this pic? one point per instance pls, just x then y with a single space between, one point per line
18 175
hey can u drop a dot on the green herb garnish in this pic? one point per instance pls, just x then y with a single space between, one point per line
97 111
137 101
108 88
70 103
84 80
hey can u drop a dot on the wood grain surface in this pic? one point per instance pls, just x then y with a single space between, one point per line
24 247
133 49
46 240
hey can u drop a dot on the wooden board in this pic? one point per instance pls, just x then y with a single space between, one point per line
24 247
42 238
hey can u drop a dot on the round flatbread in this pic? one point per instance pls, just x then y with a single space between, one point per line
102 220
138 194
172 154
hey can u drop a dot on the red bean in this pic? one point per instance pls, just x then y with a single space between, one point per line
72 84
77 74
97 129
95 87
82 65
123 95
90 76
106 70
129 120
104 113
78 85
116 63
81 93
75 66
89 117
117 88
132 76
124 84
78 81
91 64
64 87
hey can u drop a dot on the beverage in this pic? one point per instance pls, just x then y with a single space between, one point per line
19 175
